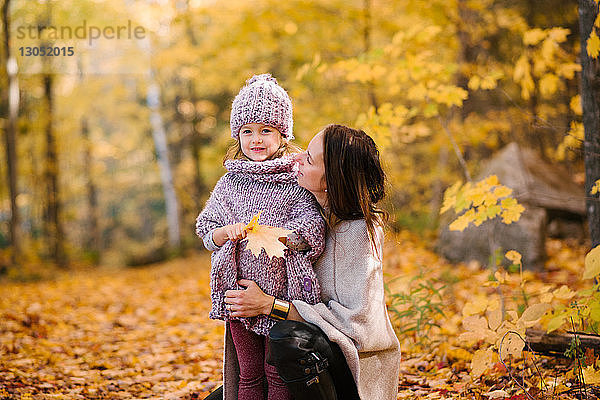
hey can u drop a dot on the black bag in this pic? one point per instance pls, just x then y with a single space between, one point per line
217 394
312 366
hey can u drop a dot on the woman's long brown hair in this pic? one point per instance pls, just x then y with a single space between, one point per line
354 177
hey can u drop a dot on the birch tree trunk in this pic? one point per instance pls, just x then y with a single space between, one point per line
160 142
590 101
162 152
11 100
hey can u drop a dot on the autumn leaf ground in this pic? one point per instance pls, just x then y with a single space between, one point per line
144 333
141 333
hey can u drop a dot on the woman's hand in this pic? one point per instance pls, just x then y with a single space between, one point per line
248 302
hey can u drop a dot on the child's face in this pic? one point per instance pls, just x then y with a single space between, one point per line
259 141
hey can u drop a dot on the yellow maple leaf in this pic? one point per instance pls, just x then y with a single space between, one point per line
497 394
476 328
463 221
549 84
492 180
253 223
546 297
476 306
512 214
495 319
512 344
595 187
480 216
501 276
556 322
482 360
592 263
266 237
450 197
474 82
477 195
513 256
593 45
590 375
502 191
534 36
533 314
564 293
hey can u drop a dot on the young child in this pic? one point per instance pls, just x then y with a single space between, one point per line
260 177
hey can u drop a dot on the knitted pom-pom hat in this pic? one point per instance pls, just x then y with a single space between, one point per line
262 101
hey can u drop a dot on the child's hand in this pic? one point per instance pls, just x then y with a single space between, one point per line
235 231
229 232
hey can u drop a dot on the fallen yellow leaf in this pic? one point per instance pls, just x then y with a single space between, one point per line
564 293
533 314
496 394
482 360
592 263
514 256
590 375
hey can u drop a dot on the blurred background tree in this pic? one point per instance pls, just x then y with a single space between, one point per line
441 85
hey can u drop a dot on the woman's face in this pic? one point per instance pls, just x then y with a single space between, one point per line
259 141
311 168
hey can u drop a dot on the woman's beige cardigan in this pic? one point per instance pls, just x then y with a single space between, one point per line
353 313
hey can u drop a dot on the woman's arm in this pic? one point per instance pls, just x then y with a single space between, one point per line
357 311
252 301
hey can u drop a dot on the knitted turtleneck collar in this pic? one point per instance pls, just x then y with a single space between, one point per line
279 170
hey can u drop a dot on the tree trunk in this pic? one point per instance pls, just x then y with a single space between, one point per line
162 153
54 225
53 222
590 101
367 48
467 53
437 191
11 100
557 343
93 231
198 182
160 142
196 140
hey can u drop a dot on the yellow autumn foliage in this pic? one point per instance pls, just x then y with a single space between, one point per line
480 202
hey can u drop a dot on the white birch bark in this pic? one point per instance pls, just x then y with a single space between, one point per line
160 142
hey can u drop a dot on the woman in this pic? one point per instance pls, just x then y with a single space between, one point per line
341 168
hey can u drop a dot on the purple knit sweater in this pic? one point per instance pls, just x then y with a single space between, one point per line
268 186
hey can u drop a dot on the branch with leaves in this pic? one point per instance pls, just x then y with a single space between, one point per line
480 202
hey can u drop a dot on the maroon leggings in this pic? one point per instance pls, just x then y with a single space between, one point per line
250 349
